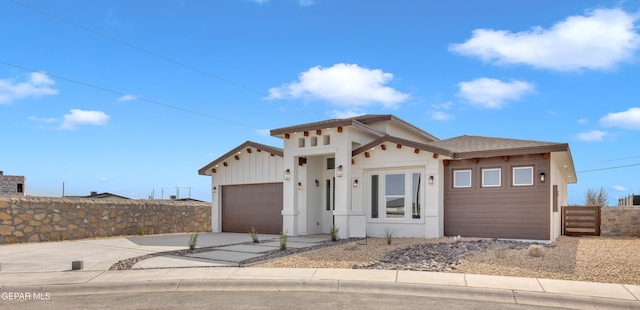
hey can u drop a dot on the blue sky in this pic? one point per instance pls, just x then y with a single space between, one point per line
129 97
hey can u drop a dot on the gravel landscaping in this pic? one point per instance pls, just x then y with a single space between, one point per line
598 259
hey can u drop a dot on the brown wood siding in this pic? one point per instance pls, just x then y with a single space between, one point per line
514 212
252 205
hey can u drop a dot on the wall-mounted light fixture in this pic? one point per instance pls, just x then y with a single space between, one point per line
287 174
317 183
542 176
299 186
215 189
339 171
430 180
355 183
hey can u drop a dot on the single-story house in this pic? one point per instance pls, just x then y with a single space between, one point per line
373 174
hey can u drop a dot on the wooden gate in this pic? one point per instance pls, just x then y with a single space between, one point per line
581 221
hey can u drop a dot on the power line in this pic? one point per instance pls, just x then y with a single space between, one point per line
140 49
108 90
618 159
609 168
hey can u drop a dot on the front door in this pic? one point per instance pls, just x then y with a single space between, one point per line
329 204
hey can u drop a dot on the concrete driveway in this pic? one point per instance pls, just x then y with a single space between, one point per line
100 254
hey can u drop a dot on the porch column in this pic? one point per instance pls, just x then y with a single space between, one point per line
342 194
290 210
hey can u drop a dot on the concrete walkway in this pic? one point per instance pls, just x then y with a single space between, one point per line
45 267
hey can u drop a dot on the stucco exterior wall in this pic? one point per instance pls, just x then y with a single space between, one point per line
34 219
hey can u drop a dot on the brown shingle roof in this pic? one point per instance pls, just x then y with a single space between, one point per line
476 146
352 121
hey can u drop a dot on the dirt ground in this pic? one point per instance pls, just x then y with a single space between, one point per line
596 259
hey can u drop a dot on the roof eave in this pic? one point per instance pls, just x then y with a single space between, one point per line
271 149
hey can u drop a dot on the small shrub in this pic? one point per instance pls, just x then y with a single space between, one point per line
193 240
389 234
254 235
536 250
283 240
141 229
333 231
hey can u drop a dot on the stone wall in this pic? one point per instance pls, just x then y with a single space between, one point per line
620 221
34 219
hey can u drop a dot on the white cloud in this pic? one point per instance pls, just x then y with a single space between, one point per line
263 132
492 93
38 85
583 121
127 97
42 119
443 106
441 116
598 40
345 85
344 114
629 119
81 117
591 136
306 2
619 188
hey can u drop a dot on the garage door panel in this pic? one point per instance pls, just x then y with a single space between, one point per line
252 205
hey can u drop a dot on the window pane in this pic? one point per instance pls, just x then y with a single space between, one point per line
416 179
395 207
331 163
394 184
491 177
374 196
523 176
328 194
462 178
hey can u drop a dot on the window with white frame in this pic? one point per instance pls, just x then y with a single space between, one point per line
462 178
491 177
522 176
396 195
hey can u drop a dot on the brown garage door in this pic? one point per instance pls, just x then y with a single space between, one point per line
257 205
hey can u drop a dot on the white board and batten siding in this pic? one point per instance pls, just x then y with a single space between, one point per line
254 167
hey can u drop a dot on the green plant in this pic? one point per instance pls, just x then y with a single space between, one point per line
254 235
141 229
283 240
389 234
333 231
193 240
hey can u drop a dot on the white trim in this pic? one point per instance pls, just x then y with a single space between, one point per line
455 178
499 177
382 196
530 168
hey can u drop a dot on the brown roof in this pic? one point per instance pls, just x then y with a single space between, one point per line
387 138
353 121
263 147
476 146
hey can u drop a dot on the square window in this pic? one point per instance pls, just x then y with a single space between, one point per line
301 142
462 178
326 140
491 177
314 141
522 176
331 163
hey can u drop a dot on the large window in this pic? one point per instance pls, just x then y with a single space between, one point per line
396 195
461 178
522 176
491 177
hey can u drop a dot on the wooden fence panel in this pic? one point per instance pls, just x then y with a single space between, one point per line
581 221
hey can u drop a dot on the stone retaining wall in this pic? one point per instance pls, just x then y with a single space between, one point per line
34 219
620 221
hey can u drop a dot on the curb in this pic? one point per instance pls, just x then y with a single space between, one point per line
507 296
